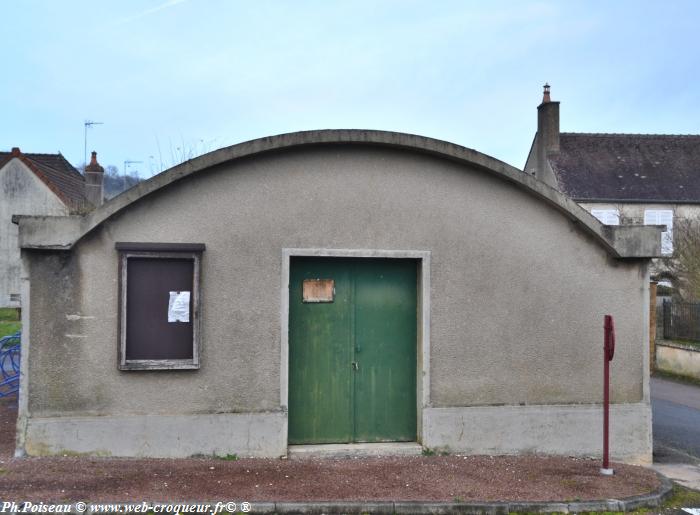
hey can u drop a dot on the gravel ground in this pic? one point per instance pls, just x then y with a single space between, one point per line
433 478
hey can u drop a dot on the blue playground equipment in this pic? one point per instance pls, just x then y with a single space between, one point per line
9 364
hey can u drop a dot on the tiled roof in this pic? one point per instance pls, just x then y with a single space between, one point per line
628 167
57 173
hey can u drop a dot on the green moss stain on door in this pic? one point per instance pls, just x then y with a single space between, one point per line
352 363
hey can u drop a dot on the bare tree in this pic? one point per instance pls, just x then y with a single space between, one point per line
185 151
115 183
683 268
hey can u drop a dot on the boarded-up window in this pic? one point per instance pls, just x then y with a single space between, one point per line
159 305
662 217
318 290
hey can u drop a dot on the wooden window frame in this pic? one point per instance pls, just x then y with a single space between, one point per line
191 251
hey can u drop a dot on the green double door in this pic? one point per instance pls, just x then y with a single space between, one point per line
352 350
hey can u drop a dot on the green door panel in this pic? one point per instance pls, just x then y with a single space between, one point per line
385 351
320 375
352 362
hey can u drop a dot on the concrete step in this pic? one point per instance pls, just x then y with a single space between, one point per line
351 450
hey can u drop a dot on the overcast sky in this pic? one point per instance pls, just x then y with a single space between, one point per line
189 76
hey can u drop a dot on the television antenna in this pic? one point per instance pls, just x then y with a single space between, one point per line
88 125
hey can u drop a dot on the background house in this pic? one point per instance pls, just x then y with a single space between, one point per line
38 184
629 179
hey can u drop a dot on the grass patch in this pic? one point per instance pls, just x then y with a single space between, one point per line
229 457
688 343
662 374
9 315
682 497
9 321
7 328
427 451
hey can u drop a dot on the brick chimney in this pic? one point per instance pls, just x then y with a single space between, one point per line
94 181
548 124
546 140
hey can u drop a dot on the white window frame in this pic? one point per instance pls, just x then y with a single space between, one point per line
662 217
607 216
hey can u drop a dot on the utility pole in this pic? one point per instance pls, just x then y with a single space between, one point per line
88 124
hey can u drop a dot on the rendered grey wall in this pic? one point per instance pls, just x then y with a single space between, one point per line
517 301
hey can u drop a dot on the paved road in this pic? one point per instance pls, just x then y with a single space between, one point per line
676 420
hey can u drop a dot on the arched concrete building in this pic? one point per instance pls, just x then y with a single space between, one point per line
333 286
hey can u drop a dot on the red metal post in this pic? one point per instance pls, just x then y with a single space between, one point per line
606 407
608 352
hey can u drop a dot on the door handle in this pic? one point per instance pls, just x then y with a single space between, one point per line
355 365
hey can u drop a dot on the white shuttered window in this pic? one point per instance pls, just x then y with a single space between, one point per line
662 217
607 216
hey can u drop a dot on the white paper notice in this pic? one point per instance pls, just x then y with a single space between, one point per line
179 306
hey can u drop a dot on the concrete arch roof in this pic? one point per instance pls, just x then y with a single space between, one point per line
64 232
